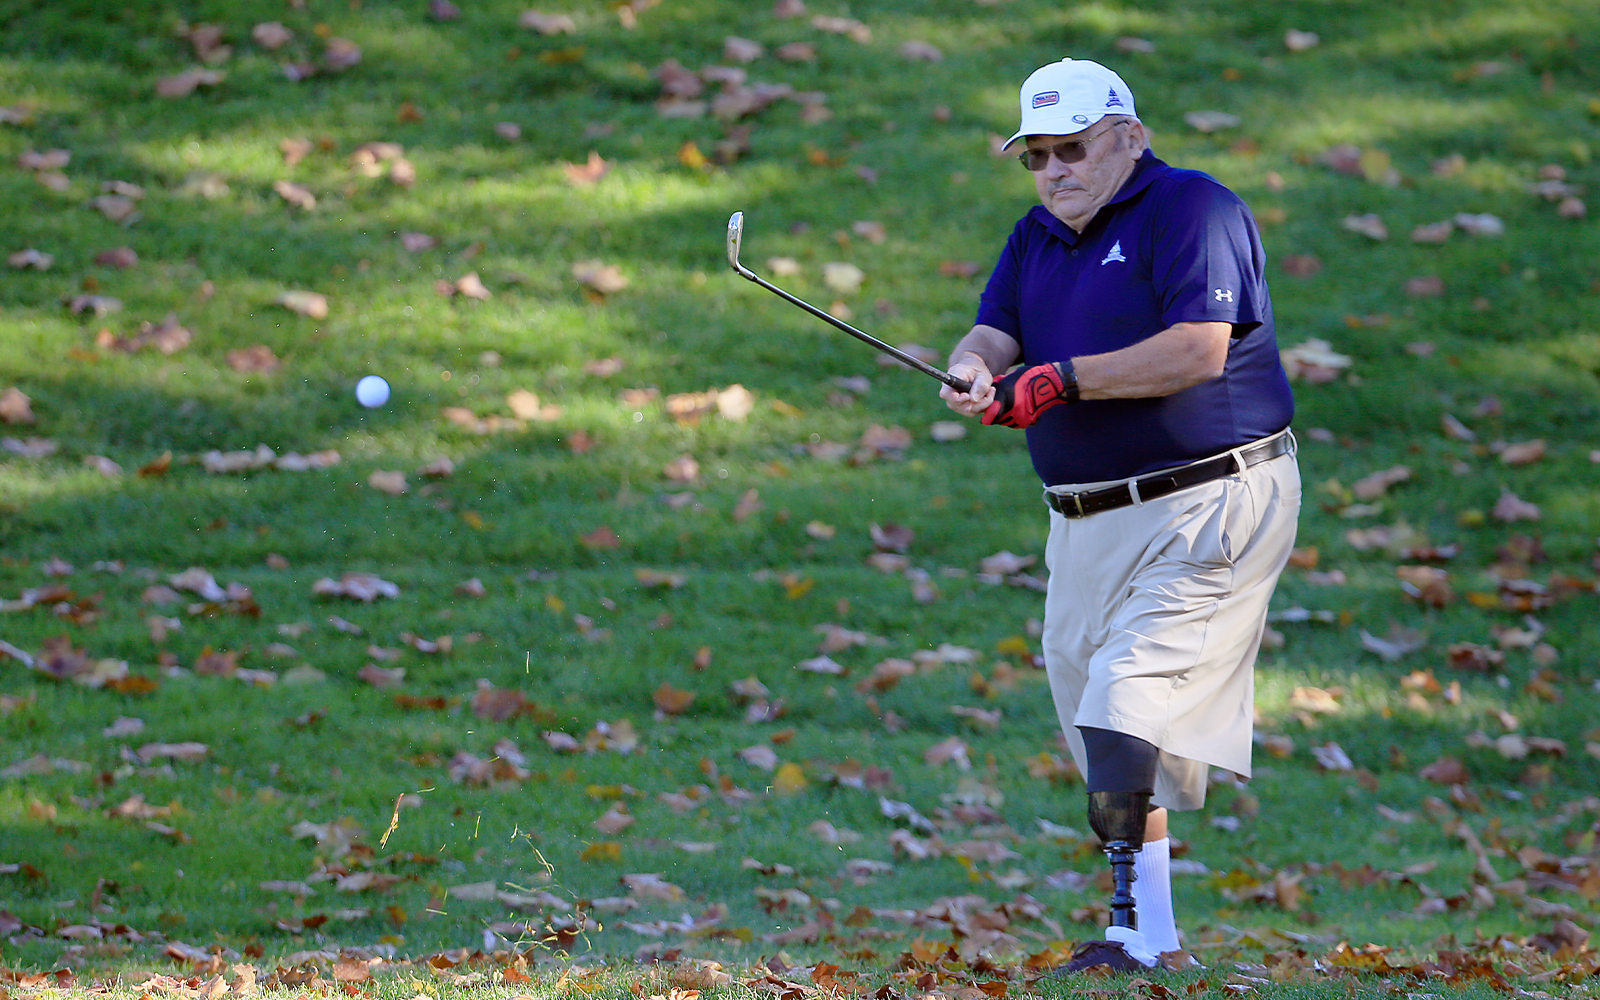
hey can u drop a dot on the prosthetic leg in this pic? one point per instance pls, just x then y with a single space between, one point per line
1118 819
1118 762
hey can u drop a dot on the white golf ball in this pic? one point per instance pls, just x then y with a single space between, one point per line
372 391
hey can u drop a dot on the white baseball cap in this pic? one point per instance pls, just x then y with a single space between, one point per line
1067 97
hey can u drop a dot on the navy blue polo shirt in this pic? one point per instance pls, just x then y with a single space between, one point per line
1173 246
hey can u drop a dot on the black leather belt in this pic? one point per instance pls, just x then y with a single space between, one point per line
1161 483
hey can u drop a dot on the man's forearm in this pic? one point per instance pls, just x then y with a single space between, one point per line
1178 357
996 349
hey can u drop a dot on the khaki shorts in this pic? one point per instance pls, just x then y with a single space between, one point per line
1154 614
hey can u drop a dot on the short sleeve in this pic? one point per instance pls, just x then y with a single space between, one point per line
999 306
1208 264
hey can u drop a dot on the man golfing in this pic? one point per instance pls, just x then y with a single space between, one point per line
1134 305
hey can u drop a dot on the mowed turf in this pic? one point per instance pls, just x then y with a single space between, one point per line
595 555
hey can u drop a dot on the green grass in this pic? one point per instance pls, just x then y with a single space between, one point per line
573 628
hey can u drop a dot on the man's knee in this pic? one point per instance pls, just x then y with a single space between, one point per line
1118 762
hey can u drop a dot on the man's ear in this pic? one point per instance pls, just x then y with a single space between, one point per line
1138 139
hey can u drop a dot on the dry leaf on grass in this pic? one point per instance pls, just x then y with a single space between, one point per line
1434 232
921 50
1210 121
1427 286
586 174
185 752
296 195
1369 225
16 407
364 587
36 259
120 258
547 24
1511 507
526 405
1302 265
185 83
742 50
310 304
34 447
258 358
271 35
50 159
1314 360
169 337
847 26
670 700
340 54
842 278
1480 224
760 756
1299 41
116 207
603 278
1375 485
821 665
891 537
1523 452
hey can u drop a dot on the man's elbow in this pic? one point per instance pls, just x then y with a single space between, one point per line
1207 350
1209 362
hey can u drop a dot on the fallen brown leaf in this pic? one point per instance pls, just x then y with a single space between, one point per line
16 407
671 701
256 358
296 195
605 279
586 174
271 35
312 304
547 24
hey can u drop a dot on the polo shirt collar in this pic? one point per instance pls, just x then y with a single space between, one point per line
1148 167
1145 170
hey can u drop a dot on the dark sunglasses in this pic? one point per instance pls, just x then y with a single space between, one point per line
1072 151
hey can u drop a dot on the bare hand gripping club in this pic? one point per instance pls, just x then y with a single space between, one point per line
736 235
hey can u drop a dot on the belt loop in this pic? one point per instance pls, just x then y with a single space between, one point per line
1238 461
1133 491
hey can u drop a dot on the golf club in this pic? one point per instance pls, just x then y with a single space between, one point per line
736 236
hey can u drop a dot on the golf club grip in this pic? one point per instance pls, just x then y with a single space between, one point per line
960 385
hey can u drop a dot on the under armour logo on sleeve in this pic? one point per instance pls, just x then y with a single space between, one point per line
1223 294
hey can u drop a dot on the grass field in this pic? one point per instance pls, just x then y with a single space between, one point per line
621 501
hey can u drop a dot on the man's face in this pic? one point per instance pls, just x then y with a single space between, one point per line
1074 192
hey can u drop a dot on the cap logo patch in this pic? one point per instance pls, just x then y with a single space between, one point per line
1113 101
1046 99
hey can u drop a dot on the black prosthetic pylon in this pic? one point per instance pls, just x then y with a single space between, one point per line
1118 819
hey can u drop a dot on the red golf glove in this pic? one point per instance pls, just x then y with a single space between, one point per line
1027 392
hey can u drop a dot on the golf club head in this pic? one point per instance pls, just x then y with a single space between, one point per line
735 237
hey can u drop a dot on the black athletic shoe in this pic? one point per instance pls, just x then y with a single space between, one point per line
1108 953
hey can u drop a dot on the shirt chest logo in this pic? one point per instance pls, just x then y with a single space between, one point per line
1115 254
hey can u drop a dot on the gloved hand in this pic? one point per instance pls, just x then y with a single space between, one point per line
1027 392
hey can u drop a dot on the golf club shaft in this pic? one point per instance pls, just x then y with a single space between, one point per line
958 384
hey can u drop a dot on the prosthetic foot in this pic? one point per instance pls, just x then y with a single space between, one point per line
1118 818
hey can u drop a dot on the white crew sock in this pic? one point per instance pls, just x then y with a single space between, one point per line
1152 896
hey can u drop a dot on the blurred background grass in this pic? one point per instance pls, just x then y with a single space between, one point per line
1510 88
